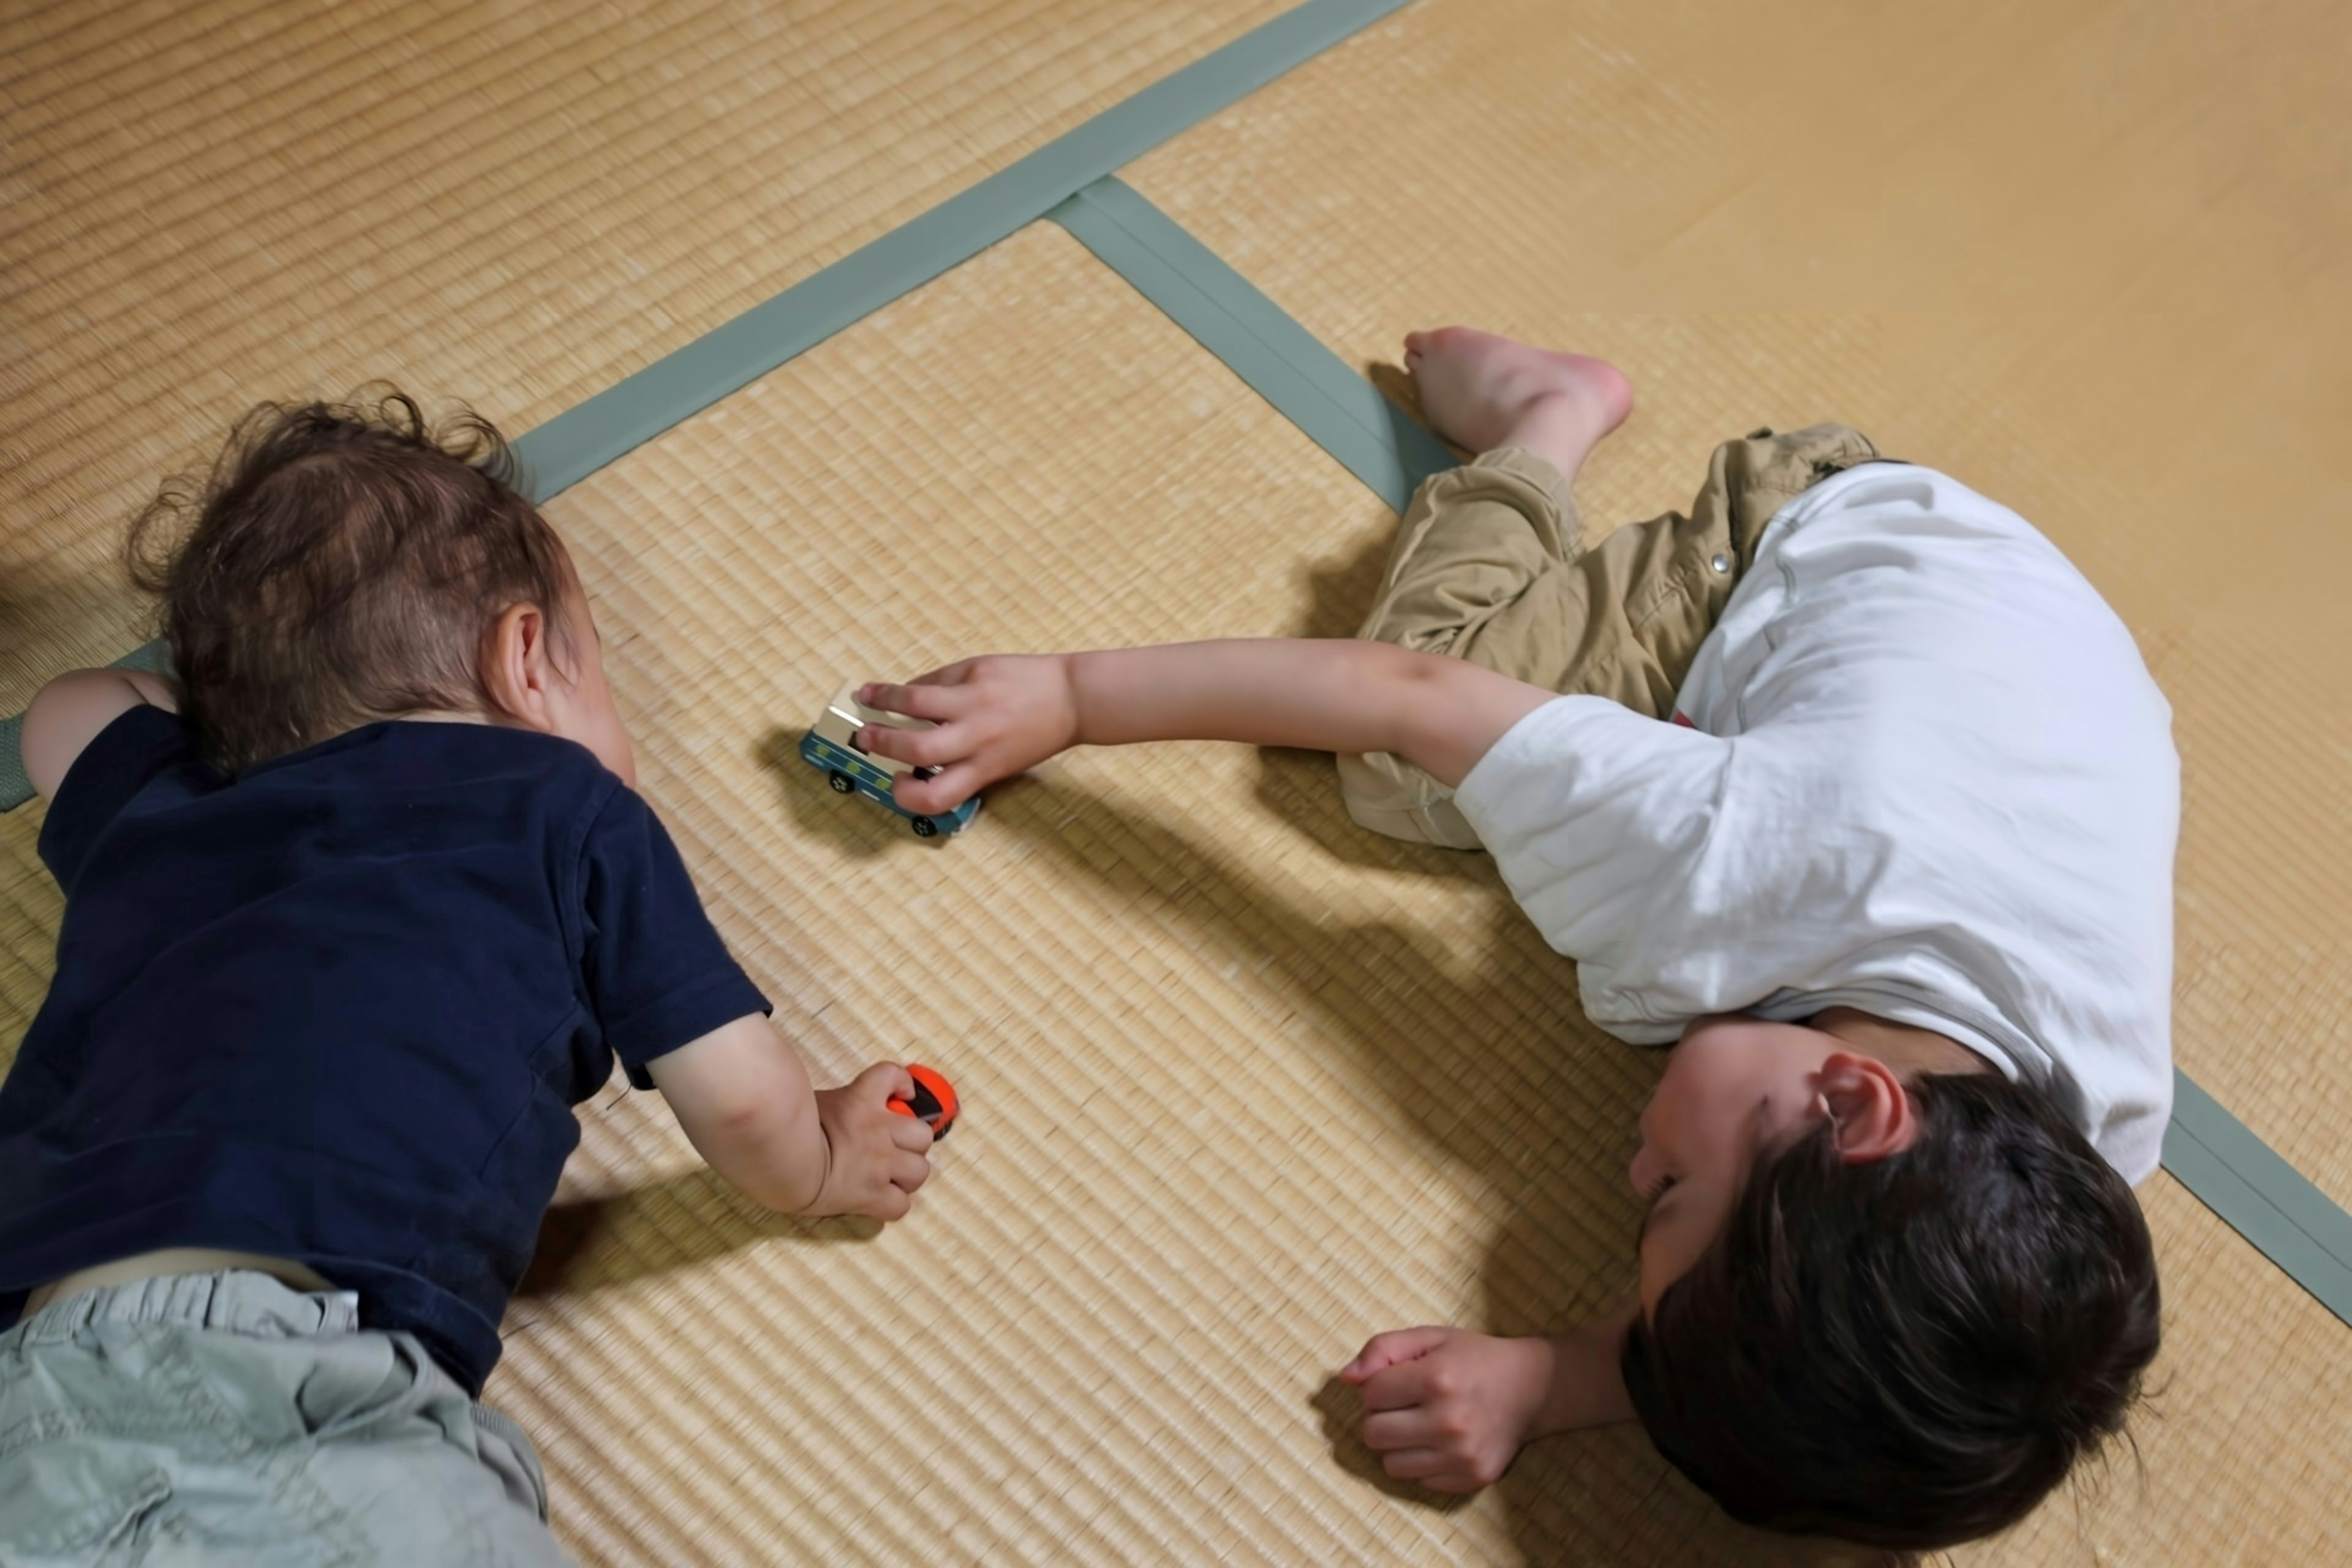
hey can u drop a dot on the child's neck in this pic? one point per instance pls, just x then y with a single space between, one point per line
1909 1049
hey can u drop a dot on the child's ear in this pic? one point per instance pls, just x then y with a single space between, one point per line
518 667
1870 1115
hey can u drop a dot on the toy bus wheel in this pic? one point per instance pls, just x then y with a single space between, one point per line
841 783
925 828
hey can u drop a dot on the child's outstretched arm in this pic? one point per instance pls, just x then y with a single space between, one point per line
742 1095
999 715
1451 1409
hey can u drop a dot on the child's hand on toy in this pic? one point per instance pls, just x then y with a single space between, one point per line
1449 1408
996 716
878 1156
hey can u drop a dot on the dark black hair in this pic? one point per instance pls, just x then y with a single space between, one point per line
1913 1351
341 563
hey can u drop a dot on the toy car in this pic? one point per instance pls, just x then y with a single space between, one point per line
831 747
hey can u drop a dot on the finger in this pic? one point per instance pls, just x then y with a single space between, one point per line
909 1171
941 794
890 1203
1386 1349
924 748
1389 1430
1416 1464
954 674
1398 1388
884 1082
912 1134
917 700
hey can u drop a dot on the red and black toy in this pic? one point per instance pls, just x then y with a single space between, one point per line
934 1100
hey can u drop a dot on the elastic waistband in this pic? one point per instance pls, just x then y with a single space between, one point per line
237 1300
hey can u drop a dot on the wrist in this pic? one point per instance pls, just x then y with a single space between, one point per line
1582 1385
1076 670
816 1190
1547 1359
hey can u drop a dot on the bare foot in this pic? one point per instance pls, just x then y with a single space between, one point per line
1482 392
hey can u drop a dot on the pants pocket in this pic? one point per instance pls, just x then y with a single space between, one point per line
78 1503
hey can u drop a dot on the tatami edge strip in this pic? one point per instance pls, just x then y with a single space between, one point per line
2257 1194
581 440
15 787
2217 1157
2230 1169
634 410
1283 361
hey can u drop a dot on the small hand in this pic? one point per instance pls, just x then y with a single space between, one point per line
877 1157
1446 1407
995 716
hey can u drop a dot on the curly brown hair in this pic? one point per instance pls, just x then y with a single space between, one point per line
341 563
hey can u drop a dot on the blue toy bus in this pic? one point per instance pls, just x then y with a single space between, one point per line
831 747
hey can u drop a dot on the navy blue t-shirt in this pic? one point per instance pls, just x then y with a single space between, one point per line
338 1010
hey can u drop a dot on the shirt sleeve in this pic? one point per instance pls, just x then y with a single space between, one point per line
657 975
138 745
1598 818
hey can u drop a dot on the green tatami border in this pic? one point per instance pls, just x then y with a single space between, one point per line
2221 1162
1283 363
579 441
633 411
2258 1194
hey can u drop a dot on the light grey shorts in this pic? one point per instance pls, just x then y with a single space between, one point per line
228 1418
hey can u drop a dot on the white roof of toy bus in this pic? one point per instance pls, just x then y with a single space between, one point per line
844 714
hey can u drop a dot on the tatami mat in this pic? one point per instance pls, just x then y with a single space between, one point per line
1246 1084
2074 255
1234 1100
211 204
2084 257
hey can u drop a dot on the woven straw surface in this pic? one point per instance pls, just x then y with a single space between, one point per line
1245 1084
2079 256
1243 1087
210 204
2082 256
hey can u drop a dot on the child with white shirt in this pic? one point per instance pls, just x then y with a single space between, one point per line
1850 783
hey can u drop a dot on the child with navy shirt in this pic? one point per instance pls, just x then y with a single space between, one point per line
357 910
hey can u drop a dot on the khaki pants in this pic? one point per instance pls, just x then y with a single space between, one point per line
1488 567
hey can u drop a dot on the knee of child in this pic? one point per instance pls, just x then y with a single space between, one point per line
1910 1352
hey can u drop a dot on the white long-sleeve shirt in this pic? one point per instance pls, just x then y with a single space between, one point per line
1919 769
